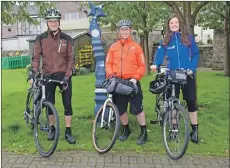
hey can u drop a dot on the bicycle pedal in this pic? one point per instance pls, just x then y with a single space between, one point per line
154 122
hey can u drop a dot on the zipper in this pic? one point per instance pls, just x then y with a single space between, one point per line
59 48
128 51
121 57
178 54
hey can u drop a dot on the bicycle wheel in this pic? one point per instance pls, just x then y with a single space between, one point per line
105 131
45 146
176 132
29 109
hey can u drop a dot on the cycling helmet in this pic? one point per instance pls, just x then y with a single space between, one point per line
52 14
157 86
124 22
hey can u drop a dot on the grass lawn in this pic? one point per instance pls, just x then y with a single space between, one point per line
213 99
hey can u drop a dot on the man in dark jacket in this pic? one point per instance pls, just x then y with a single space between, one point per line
56 49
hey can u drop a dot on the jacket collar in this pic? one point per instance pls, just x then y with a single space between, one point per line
125 41
176 34
51 34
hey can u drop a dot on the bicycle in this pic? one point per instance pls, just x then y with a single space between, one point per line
170 112
107 120
106 123
38 119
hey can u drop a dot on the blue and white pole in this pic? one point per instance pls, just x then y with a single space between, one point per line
99 54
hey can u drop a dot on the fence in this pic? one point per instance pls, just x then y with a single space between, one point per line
15 62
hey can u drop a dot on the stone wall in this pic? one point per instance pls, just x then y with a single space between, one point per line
206 56
219 50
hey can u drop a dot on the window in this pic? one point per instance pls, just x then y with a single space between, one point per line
24 28
72 16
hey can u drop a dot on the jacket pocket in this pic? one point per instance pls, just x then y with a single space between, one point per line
62 47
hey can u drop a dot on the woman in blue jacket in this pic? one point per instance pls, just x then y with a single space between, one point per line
182 52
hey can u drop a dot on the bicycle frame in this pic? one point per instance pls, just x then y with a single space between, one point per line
168 103
39 87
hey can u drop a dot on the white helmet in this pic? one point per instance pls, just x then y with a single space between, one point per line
124 22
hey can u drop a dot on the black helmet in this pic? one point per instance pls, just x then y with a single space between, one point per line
52 14
124 22
157 86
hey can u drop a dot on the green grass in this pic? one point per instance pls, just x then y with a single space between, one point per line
213 97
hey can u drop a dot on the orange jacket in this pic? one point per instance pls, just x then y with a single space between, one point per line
125 59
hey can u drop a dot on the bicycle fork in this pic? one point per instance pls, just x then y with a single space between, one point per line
173 115
103 114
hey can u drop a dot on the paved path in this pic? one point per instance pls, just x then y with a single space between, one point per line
83 159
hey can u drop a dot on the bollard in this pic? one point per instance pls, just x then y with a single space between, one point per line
99 54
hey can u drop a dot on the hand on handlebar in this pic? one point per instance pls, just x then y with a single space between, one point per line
153 68
189 72
32 76
64 84
111 76
133 80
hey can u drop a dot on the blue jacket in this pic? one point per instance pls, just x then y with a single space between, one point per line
178 54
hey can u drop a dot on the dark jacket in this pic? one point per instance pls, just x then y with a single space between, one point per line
56 51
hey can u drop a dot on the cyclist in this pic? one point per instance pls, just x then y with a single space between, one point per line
182 52
125 59
57 53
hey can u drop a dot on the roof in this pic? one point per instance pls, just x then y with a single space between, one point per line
74 35
77 35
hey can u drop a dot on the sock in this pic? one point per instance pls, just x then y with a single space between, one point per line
143 126
126 126
68 130
194 126
52 127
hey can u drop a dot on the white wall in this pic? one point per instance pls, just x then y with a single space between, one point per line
74 24
203 34
16 44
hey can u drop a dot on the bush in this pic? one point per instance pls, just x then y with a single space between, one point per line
84 71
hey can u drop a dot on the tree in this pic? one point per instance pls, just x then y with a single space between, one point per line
216 15
187 11
13 11
144 16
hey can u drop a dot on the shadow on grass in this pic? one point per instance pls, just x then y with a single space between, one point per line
14 128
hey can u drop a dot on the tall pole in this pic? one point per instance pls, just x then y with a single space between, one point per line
99 54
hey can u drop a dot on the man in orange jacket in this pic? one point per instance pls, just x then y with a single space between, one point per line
125 59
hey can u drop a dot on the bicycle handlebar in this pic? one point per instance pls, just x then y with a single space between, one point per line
159 72
65 84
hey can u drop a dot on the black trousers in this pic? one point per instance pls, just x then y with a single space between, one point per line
66 95
189 93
